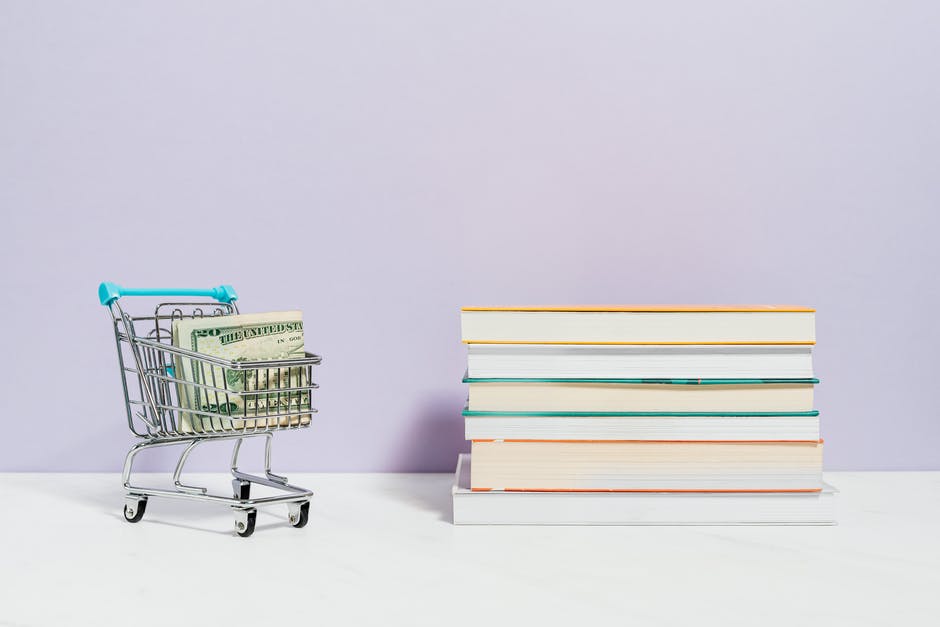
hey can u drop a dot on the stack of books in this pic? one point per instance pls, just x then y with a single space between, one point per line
641 415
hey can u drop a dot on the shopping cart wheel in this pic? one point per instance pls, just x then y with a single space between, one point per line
242 489
245 522
134 509
298 515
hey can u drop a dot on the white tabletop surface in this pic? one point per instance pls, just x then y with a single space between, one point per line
380 550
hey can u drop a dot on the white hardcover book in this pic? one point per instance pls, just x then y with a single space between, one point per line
643 508
587 361
495 426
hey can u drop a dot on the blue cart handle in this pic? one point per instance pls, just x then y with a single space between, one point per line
110 292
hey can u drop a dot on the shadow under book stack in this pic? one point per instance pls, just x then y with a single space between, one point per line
641 415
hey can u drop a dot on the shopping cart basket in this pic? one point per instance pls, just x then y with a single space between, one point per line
229 400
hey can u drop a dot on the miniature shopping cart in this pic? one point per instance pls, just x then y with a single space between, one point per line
229 400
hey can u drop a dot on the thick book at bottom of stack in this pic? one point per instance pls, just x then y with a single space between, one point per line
637 508
645 466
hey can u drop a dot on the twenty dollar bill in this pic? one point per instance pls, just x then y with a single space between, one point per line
241 398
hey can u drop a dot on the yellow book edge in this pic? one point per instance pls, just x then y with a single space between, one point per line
648 308
810 343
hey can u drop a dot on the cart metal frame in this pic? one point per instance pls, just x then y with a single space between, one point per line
229 400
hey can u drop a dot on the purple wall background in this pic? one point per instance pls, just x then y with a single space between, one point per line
380 164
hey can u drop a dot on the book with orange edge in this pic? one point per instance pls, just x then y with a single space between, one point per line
646 308
647 466
638 324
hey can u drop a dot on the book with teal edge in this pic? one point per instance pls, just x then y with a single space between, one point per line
467 379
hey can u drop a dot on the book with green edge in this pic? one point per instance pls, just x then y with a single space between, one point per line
468 379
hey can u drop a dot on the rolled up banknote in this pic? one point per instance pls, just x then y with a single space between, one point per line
222 398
